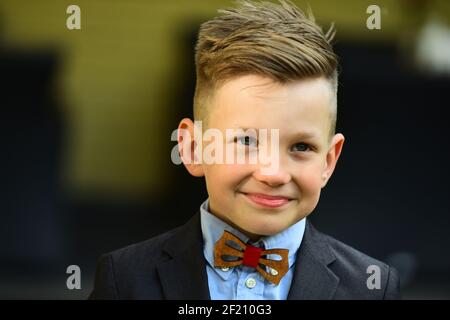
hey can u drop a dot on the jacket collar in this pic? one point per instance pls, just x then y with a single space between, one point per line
313 279
184 276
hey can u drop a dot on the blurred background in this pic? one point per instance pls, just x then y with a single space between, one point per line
87 115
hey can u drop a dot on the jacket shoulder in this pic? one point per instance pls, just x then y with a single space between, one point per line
143 253
360 275
130 272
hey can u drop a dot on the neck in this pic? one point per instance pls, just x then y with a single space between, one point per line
252 236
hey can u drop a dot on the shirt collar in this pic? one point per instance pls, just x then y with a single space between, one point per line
213 228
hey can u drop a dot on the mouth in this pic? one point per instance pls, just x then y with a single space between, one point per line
267 201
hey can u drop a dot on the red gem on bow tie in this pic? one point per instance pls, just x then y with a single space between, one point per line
251 256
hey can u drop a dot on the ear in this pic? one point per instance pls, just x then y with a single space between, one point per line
332 157
187 147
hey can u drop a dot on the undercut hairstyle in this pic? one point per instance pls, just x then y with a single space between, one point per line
277 41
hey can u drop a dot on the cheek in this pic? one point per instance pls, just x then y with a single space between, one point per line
224 178
310 179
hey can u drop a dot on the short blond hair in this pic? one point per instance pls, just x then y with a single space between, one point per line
273 40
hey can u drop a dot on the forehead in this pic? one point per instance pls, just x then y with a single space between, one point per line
258 102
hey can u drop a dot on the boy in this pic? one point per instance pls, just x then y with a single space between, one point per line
261 66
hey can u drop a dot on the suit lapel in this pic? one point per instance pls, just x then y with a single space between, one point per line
184 276
312 277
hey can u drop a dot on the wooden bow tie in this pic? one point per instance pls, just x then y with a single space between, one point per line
250 256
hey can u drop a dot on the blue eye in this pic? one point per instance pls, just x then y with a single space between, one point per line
247 141
301 147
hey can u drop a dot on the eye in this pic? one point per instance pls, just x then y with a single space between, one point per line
247 141
301 147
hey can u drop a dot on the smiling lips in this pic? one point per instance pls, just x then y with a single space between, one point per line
267 200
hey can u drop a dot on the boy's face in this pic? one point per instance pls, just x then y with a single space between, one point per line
240 193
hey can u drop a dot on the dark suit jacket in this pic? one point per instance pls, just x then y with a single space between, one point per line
172 266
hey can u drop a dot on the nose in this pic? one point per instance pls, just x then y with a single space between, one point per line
273 179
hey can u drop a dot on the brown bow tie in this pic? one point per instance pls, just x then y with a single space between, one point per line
250 256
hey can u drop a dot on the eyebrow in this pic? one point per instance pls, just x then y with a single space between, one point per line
297 135
306 134
245 129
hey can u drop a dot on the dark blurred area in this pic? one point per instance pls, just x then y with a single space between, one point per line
87 117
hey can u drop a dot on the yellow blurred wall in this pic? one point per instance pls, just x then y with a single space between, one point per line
120 66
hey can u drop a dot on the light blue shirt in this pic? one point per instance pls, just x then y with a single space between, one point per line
242 282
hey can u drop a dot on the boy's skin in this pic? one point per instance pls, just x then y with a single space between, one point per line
305 163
